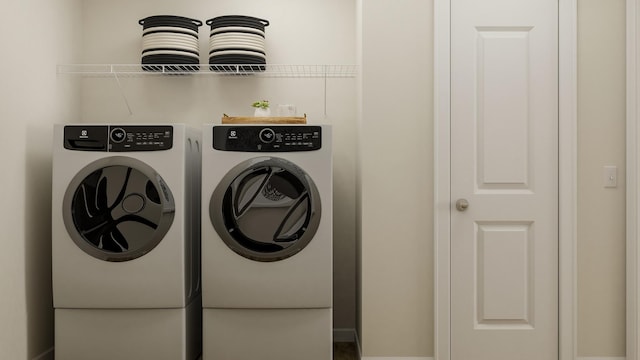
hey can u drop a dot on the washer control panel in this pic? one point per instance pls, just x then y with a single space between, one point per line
263 138
115 138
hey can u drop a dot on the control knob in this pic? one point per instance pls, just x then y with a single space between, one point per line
118 135
267 135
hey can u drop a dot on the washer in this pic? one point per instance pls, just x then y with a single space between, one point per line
126 242
267 242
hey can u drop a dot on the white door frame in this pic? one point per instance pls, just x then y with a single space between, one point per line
633 174
567 179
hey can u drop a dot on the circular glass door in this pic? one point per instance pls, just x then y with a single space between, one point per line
118 209
266 209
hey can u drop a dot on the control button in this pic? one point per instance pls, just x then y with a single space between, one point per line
267 135
118 135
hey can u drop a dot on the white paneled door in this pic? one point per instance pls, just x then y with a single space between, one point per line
504 179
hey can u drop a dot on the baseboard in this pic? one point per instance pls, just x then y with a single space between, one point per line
344 335
349 335
430 358
47 355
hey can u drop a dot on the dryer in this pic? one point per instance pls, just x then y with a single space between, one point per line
267 242
125 242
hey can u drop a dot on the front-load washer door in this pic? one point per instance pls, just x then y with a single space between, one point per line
117 208
266 209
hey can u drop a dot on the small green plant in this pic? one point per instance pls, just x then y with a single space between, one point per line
263 104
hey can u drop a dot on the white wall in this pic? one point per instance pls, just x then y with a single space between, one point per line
396 178
301 32
395 129
601 216
37 34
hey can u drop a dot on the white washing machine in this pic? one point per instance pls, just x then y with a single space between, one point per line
126 242
267 242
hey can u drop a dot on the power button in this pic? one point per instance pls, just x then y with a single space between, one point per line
267 135
118 135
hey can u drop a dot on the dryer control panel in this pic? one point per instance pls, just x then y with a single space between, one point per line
267 139
115 138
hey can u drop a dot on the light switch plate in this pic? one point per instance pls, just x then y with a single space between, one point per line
610 176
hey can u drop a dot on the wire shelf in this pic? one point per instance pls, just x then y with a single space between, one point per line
268 70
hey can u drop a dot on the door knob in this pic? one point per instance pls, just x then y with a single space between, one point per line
462 204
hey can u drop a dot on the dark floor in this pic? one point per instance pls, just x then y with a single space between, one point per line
345 351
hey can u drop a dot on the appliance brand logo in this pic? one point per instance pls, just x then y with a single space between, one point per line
84 134
233 134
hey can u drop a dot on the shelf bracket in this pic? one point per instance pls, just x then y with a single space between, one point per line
325 92
124 97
